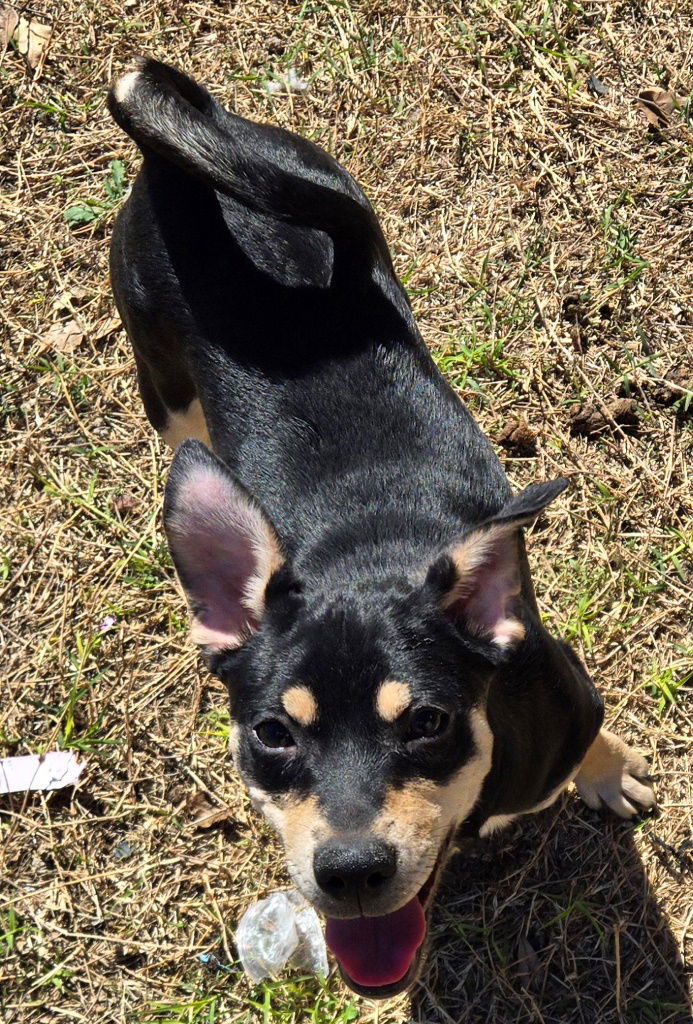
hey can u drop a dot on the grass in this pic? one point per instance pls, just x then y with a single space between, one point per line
89 210
544 236
671 683
303 999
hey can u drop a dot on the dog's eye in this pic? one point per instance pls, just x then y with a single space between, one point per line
425 723
272 733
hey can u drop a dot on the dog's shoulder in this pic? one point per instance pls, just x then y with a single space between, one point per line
544 711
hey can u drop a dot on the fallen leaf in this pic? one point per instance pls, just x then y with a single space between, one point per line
32 39
204 813
658 105
63 337
39 38
66 299
107 325
9 19
528 963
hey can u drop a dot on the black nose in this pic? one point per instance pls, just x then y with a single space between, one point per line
358 867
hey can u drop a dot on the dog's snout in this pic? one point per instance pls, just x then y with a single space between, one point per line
358 867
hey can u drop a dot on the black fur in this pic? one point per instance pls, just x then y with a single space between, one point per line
250 271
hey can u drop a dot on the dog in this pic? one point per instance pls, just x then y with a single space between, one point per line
348 542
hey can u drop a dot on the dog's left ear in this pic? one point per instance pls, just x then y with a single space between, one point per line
476 580
223 545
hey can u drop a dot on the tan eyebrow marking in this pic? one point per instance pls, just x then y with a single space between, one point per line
393 698
300 703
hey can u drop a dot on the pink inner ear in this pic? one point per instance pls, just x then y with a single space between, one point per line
225 551
489 579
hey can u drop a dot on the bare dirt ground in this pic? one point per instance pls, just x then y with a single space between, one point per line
543 224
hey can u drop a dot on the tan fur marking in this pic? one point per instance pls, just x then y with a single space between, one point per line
415 818
234 740
270 559
190 423
419 805
498 821
299 822
508 632
495 823
301 828
418 816
414 809
392 699
303 821
300 703
469 555
611 773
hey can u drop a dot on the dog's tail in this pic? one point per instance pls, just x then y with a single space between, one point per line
263 167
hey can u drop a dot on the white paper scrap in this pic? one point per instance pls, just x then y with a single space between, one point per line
53 770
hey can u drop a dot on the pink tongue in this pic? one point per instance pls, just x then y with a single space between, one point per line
377 950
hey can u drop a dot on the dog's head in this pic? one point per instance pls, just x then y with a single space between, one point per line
358 708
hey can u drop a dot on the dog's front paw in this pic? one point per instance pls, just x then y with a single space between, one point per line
614 774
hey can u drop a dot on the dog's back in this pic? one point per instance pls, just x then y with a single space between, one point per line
262 286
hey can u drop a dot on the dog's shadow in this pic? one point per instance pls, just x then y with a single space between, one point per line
554 921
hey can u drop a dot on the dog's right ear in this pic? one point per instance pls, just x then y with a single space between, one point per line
223 546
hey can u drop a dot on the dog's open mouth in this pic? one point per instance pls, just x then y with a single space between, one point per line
379 956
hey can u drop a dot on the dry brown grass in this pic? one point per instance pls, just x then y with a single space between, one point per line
546 236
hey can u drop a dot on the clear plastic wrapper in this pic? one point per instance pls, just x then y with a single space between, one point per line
282 930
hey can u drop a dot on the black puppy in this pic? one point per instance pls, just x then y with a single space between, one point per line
349 544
